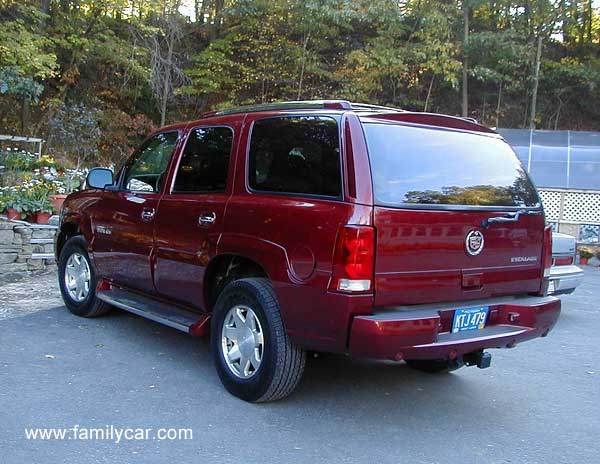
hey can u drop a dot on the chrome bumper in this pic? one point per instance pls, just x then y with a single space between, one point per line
564 279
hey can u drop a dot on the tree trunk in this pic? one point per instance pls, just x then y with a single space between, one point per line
216 26
198 14
429 94
24 114
483 110
303 65
590 21
167 81
498 105
465 71
536 81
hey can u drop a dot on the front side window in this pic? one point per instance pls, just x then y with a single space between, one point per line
423 166
205 161
146 169
298 154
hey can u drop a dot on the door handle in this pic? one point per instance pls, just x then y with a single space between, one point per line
147 214
510 217
206 219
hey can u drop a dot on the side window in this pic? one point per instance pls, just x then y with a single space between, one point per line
146 169
297 154
205 161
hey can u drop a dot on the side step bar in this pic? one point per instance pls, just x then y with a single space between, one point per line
149 308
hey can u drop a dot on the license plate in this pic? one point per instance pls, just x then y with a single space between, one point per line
469 319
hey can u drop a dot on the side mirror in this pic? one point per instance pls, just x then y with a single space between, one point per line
99 178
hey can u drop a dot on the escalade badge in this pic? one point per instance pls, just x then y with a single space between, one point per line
474 242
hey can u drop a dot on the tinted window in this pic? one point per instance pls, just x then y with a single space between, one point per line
444 167
205 161
297 154
145 170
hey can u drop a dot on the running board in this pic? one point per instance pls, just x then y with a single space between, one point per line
149 308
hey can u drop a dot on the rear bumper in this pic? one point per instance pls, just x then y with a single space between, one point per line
564 279
423 332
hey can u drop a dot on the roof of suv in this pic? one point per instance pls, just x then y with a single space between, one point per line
365 111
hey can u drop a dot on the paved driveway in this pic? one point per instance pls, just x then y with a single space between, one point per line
539 403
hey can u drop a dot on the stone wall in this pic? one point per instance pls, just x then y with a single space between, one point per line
25 248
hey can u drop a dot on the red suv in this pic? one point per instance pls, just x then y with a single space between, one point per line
324 226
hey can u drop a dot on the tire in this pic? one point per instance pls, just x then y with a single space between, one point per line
435 366
81 305
248 308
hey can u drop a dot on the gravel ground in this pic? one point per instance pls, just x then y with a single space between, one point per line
28 295
537 404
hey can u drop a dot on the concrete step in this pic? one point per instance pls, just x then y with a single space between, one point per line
41 240
42 226
42 256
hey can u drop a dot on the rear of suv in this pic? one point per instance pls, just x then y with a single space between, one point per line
321 226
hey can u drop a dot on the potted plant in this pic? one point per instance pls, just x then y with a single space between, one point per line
57 200
33 191
43 207
65 184
12 209
16 204
8 201
585 253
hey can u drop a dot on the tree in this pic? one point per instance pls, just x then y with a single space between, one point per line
542 16
76 127
465 66
166 74
13 82
132 61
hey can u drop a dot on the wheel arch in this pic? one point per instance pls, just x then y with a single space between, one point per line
225 268
66 231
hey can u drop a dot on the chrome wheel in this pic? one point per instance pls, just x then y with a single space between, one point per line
77 277
242 341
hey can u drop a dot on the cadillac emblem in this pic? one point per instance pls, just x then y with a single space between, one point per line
474 242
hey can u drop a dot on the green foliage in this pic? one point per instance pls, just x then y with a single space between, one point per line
93 77
13 82
23 43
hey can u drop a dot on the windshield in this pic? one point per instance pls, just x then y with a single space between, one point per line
417 165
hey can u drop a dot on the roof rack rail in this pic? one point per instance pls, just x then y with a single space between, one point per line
288 105
367 107
301 105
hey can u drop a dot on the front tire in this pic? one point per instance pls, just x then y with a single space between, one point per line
77 280
253 355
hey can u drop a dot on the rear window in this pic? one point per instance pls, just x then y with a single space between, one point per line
295 154
423 166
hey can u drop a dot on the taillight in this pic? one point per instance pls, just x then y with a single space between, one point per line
563 261
353 259
547 250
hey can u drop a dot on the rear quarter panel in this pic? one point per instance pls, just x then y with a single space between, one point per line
293 237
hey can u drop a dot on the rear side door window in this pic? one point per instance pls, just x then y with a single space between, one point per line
295 155
204 163
146 169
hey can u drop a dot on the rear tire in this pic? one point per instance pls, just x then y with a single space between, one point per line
77 280
254 357
435 366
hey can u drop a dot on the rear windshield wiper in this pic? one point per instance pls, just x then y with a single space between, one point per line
510 217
